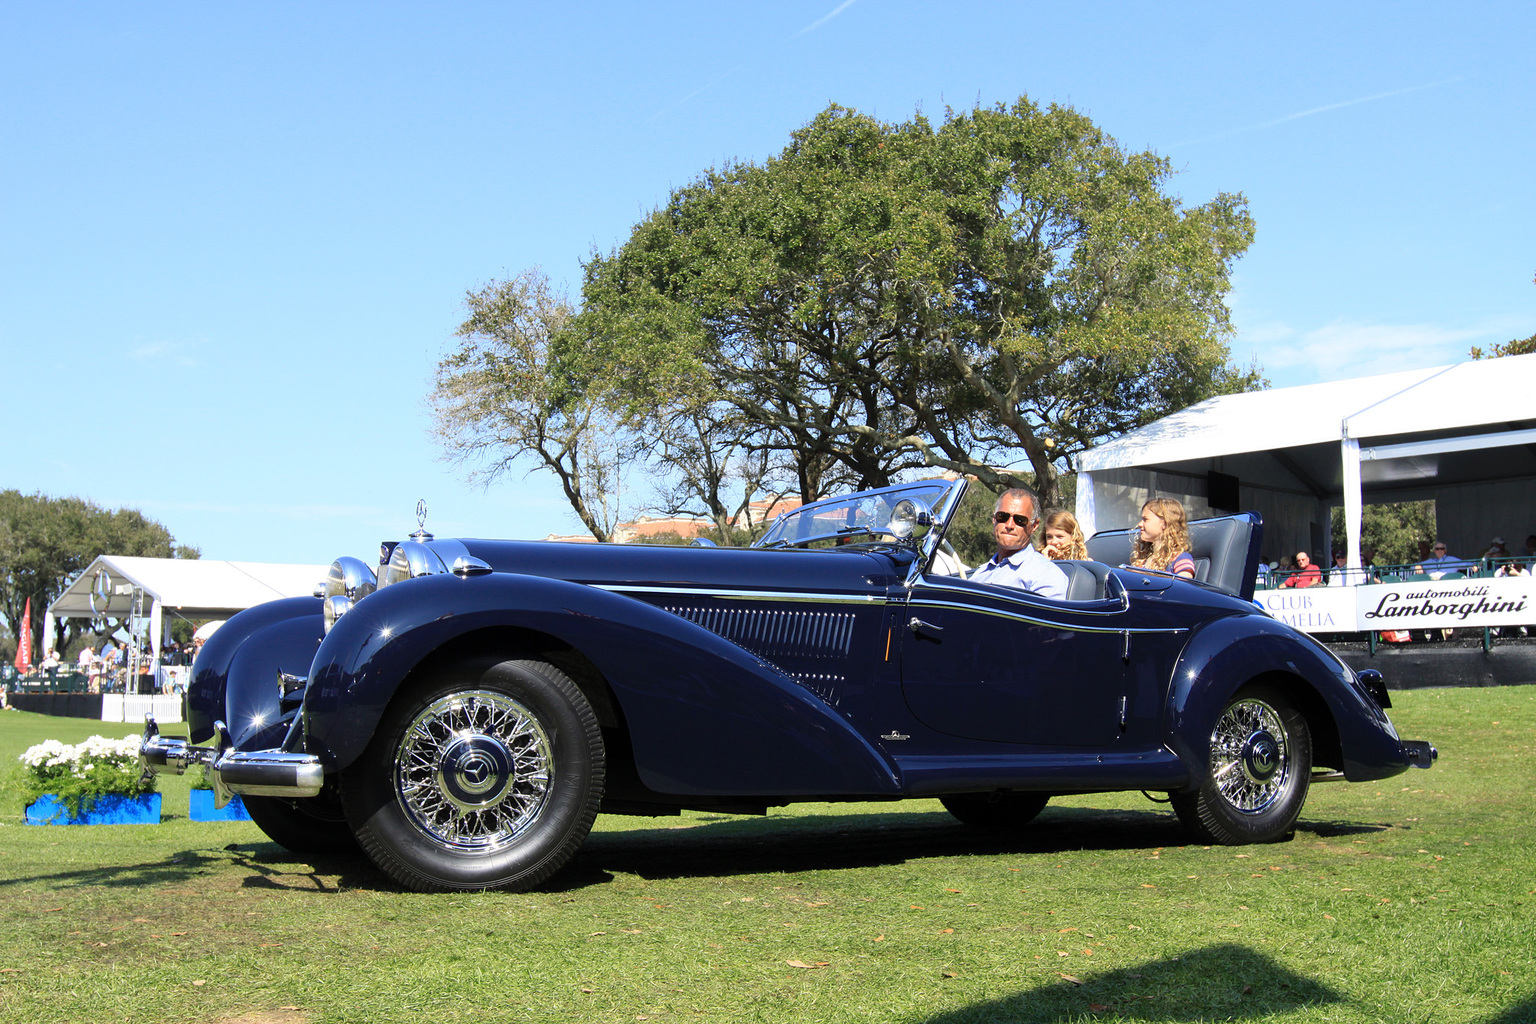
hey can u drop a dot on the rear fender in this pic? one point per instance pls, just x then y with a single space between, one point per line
704 716
235 678
1227 653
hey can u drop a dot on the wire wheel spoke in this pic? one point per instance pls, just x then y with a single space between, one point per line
1250 762
473 771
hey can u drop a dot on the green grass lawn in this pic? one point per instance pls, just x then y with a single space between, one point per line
1407 900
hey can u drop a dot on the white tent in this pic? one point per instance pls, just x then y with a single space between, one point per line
1463 435
188 588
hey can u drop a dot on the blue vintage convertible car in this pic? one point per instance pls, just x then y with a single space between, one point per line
464 711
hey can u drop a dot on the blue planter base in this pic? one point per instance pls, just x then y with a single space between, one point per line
201 806
110 809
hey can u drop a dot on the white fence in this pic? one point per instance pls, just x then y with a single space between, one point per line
132 707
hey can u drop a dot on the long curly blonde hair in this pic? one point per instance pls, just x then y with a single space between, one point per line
1065 521
1173 541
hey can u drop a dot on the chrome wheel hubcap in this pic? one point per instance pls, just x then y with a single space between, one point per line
1250 763
473 771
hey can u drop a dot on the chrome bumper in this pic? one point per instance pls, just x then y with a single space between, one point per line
1420 753
243 772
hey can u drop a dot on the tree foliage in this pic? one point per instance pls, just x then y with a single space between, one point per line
1397 532
501 399
45 543
1002 290
1516 347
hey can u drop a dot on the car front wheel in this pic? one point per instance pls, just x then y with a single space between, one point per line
1260 765
487 775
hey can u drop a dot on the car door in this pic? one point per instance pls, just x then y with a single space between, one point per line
993 663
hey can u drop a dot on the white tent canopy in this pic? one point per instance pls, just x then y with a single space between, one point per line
188 588
1463 435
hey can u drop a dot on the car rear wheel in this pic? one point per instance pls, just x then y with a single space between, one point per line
1260 765
995 810
487 775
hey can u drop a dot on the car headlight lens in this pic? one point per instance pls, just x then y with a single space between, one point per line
910 518
409 560
348 582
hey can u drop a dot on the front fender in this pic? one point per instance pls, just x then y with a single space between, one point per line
704 716
235 678
1226 653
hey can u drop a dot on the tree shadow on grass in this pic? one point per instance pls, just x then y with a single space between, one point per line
1221 982
1523 1013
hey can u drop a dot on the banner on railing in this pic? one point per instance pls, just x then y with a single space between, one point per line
1313 609
1437 604
1425 604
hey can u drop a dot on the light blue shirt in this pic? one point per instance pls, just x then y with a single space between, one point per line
1444 564
1026 569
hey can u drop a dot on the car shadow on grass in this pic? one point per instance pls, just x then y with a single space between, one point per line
1221 982
721 846
809 842
705 846
738 846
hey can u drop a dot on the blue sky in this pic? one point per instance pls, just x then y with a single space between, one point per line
235 238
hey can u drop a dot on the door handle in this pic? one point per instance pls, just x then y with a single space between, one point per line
919 627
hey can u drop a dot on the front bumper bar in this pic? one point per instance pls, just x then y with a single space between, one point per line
232 772
1420 753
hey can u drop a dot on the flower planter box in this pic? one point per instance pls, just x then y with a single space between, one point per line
110 809
201 805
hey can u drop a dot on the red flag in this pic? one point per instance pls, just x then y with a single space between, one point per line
24 641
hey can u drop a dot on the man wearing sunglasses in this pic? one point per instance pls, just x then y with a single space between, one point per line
1442 562
1017 563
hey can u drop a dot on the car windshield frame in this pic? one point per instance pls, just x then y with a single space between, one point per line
866 516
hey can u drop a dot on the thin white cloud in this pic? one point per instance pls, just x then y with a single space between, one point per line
176 352
306 513
1343 349
1349 103
813 26
1298 115
727 73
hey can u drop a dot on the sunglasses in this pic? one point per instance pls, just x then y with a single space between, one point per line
1439 547
1003 517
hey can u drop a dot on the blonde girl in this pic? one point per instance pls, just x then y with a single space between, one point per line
1163 542
1063 537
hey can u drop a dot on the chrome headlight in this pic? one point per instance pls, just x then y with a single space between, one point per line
348 582
910 518
409 560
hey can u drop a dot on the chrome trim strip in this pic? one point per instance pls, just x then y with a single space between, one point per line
1034 620
750 595
1076 607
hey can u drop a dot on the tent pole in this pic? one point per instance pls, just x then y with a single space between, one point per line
1087 518
1349 452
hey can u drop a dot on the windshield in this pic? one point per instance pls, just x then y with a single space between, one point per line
861 516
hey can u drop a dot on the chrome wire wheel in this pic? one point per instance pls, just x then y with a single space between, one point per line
1250 760
1260 756
473 771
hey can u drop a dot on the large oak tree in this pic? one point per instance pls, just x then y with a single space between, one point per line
991 295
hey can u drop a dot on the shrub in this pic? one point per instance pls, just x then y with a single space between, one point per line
81 773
